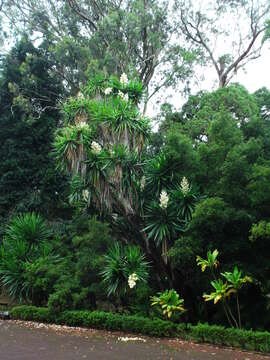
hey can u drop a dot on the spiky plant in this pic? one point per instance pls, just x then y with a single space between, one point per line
162 225
122 262
25 242
103 143
30 228
116 125
184 200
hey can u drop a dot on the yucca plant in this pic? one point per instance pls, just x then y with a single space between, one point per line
169 302
161 225
159 174
110 121
120 263
184 199
25 241
30 227
111 175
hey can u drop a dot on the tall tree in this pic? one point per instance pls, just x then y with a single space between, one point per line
103 147
27 123
229 139
228 34
86 36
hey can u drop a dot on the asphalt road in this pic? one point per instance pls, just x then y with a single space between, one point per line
30 341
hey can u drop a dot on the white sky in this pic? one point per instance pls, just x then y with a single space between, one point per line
255 75
237 25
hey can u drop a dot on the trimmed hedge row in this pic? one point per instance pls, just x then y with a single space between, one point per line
97 320
218 335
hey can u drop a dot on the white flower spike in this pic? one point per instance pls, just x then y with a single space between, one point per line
80 95
122 95
95 147
132 279
85 195
143 182
108 91
185 188
82 125
124 79
163 200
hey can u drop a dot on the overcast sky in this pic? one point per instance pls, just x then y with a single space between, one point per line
255 76
232 35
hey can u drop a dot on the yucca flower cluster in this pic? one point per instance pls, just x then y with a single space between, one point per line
80 95
163 200
108 91
124 79
143 182
185 187
122 95
85 195
132 279
82 125
95 147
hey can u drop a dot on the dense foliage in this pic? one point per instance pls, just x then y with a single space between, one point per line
100 212
29 117
227 132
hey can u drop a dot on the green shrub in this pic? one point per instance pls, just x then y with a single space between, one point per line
61 300
31 313
218 335
245 339
29 265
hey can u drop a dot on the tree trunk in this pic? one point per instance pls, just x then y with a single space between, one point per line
222 81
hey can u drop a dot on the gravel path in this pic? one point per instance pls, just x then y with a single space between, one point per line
31 341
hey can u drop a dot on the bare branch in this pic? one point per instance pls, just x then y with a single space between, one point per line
203 32
75 7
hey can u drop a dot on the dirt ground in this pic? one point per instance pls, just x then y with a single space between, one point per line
32 341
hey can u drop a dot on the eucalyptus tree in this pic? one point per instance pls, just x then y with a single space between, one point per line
227 34
103 147
131 36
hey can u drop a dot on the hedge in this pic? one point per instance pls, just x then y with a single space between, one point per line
218 335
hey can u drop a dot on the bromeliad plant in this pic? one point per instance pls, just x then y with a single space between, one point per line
223 290
169 302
